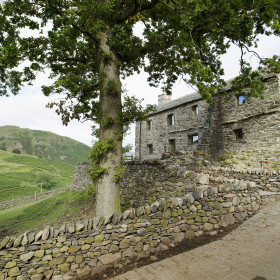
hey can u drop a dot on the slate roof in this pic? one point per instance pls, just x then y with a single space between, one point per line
196 96
179 101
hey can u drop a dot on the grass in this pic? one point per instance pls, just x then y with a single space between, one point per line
37 164
44 144
67 206
20 174
64 168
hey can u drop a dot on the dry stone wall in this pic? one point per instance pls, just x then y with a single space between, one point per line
147 181
265 180
174 175
28 199
81 179
180 205
82 248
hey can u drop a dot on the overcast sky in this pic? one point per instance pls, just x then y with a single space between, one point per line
28 109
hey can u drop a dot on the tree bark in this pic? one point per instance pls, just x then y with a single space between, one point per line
107 190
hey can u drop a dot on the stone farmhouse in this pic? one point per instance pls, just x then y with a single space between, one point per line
241 126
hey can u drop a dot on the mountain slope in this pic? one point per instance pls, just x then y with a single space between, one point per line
22 175
43 144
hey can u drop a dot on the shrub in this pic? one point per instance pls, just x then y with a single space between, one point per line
3 146
46 182
16 151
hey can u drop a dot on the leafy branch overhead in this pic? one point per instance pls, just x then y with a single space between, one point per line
180 39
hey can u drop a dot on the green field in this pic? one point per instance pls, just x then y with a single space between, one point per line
20 175
54 211
43 144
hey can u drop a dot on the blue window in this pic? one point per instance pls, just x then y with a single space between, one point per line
241 99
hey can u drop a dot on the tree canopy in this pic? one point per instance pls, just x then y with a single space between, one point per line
88 44
180 39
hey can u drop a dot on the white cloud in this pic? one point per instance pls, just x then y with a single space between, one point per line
28 110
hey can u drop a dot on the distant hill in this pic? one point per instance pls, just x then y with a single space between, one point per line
43 144
21 175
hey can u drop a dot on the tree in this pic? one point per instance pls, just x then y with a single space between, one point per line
16 151
3 146
89 44
45 181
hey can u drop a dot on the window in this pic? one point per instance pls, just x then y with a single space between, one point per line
195 110
193 139
149 125
238 134
170 119
150 149
171 146
240 99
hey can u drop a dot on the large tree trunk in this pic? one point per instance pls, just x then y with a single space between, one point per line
107 190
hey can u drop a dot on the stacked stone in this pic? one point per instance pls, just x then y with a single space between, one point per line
29 199
81 248
146 181
267 180
81 179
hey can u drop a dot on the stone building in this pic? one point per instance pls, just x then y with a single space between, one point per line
242 125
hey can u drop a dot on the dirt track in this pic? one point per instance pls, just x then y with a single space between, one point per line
250 252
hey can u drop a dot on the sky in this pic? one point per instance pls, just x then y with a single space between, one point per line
28 109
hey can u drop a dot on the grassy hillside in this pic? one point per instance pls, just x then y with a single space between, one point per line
43 144
21 174
56 210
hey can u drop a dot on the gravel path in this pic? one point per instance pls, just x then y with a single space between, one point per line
250 252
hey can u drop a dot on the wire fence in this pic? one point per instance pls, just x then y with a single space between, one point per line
38 195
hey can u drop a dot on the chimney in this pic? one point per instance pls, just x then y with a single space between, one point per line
163 98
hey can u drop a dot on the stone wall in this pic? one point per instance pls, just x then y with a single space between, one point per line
149 180
266 180
215 126
186 124
175 175
81 180
29 199
84 247
260 122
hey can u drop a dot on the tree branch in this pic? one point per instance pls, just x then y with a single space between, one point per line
138 7
171 8
75 26
242 46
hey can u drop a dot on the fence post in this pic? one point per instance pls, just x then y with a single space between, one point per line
41 187
35 196
12 200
